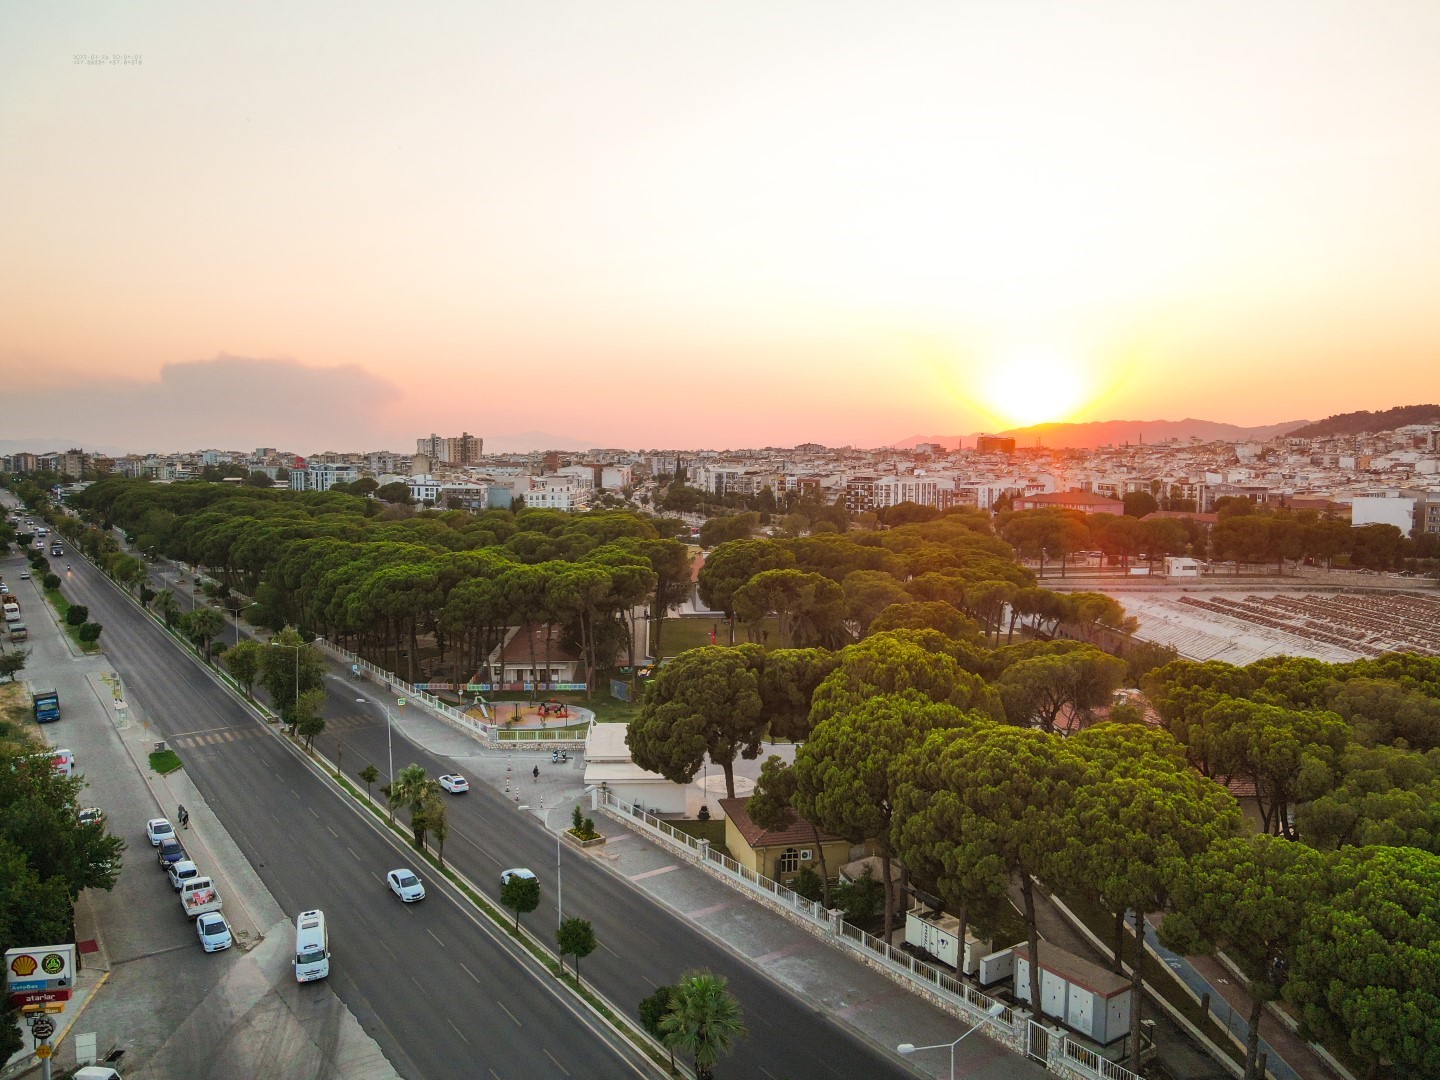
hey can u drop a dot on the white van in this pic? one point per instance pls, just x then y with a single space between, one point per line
312 946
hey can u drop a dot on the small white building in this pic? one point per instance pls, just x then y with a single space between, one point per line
608 764
1083 996
1181 567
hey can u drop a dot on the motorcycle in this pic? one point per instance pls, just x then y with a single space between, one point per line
558 756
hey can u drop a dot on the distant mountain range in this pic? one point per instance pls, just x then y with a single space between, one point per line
1365 423
1116 432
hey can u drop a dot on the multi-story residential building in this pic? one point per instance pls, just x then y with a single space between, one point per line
322 475
462 449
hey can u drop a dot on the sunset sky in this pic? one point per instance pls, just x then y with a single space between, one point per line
682 224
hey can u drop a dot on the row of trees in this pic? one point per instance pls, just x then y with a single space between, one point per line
1243 533
47 856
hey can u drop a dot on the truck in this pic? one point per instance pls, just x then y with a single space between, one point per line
199 895
46 704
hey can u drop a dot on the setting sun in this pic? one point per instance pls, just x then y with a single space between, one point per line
1033 387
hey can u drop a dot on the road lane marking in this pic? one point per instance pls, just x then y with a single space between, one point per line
652 873
332 832
611 951
551 1056
437 940
508 1012
419 986
312 810
457 1030
470 973
352 852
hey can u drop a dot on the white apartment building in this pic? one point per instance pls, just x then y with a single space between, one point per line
322 476
556 493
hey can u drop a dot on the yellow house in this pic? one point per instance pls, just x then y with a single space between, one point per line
779 853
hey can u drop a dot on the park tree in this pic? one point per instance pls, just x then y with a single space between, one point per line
670 561
772 806
202 626
244 662
707 701
1139 503
893 662
396 493
435 817
77 615
981 807
521 895
309 718
652 1010
167 607
927 615
288 668
1247 896
11 664
788 681
1385 795
704 1020
843 778
1274 747
797 599
867 594
1039 688
732 565
575 937
1365 969
1138 811
368 775
409 791
1383 712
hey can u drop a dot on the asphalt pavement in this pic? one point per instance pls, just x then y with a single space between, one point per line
440 991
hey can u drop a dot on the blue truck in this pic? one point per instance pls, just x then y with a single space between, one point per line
47 705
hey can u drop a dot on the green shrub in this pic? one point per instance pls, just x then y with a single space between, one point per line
51 582
77 614
90 632
807 883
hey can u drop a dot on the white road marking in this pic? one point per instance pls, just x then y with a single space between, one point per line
508 1012
551 1056
437 940
470 973
457 1030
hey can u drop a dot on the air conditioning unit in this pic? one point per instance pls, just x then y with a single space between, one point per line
806 855
160 747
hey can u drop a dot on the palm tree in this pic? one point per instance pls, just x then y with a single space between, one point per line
168 607
410 789
704 1020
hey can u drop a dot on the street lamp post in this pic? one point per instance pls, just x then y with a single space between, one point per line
282 645
389 748
559 877
910 1048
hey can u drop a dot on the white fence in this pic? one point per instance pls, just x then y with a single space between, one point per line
1013 1027
492 736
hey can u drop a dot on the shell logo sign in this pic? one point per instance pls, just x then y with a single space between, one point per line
24 965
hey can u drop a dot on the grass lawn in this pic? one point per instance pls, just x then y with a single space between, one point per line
62 608
713 830
677 635
165 762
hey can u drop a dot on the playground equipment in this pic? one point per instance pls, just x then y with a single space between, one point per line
554 708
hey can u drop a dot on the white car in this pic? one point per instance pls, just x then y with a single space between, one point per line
214 932
158 829
454 783
24 575
517 872
181 872
404 884
87 814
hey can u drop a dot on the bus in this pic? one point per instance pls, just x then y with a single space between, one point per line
312 946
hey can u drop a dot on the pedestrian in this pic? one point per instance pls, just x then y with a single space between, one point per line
535 772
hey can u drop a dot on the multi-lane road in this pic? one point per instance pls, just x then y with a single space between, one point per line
441 992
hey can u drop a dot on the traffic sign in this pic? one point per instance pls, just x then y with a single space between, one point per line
42 1028
39 997
44 1050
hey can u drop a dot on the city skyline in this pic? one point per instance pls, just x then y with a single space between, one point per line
668 225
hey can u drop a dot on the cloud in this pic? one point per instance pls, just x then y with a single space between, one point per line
230 402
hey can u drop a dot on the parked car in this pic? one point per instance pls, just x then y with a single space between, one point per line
170 851
158 829
214 932
404 884
517 872
181 872
454 783
88 814
24 575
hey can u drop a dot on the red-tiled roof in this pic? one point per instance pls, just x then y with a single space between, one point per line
517 649
1071 498
798 831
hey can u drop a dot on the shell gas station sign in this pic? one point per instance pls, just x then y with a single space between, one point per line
40 976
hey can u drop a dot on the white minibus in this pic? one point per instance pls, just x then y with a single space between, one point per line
312 946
